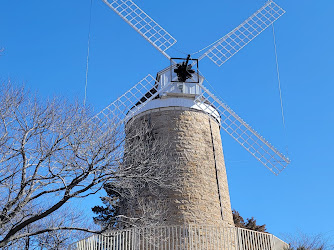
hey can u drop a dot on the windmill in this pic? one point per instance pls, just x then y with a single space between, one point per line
178 99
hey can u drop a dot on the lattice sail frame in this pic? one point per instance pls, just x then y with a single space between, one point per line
130 103
143 24
115 114
247 137
230 44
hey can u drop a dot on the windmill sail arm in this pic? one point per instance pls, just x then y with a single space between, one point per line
247 137
130 103
143 24
233 42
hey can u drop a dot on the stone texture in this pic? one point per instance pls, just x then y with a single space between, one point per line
197 149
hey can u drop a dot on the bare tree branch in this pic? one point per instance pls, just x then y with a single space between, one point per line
139 192
49 151
52 153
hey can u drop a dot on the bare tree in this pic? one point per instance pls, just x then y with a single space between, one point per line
50 153
53 153
139 195
57 239
302 241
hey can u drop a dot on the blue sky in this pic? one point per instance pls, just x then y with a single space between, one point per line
45 46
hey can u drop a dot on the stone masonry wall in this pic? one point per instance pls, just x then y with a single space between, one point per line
196 147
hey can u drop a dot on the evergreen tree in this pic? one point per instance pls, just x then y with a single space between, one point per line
249 224
107 214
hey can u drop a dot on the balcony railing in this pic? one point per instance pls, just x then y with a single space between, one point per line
181 237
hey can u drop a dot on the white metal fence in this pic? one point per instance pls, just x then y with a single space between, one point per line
181 237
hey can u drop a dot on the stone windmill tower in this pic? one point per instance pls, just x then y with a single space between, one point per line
183 110
192 133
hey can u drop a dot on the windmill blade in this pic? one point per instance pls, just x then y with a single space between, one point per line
230 44
114 116
143 24
247 137
129 104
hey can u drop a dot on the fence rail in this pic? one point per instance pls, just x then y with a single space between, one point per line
181 237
